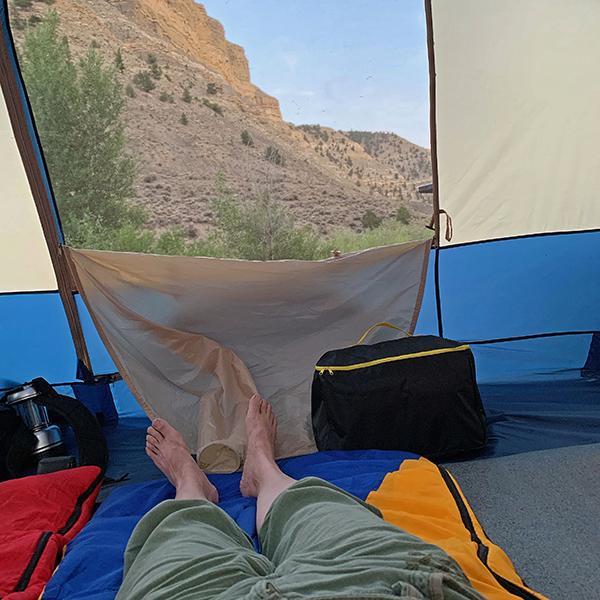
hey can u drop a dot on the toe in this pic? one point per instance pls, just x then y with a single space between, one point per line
155 435
254 404
160 426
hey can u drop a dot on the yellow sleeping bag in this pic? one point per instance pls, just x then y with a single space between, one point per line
424 500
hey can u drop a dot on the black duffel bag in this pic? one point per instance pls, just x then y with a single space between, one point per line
416 394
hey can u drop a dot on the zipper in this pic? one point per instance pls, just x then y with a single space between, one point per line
482 549
33 561
388 359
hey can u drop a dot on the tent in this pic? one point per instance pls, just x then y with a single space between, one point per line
515 138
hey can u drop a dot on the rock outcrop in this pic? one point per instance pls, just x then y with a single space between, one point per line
186 25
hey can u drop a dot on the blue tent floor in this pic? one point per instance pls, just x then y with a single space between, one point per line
535 488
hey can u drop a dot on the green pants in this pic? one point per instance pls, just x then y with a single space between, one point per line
317 542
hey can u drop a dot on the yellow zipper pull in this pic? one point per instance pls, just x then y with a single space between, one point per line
323 369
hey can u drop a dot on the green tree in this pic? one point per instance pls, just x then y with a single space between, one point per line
184 119
261 229
403 215
78 109
370 220
211 88
186 97
143 80
119 61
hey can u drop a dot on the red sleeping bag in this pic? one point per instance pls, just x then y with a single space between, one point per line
38 516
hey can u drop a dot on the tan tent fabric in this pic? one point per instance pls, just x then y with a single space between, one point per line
196 337
518 124
24 259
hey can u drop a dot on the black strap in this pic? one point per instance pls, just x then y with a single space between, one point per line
16 443
93 449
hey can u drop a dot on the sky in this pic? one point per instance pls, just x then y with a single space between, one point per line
346 64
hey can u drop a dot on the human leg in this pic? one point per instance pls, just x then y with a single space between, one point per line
187 548
262 478
325 542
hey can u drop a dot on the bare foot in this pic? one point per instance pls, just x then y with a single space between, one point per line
165 446
261 431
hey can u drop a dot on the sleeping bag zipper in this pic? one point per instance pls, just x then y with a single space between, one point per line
33 562
330 369
482 549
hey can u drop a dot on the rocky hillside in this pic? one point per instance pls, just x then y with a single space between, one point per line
200 114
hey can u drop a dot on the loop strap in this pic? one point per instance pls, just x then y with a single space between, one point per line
379 325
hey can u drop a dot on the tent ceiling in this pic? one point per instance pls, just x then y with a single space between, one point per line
518 126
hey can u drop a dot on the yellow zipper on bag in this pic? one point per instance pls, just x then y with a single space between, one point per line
388 359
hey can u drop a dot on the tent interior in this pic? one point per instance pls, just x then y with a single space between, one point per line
515 139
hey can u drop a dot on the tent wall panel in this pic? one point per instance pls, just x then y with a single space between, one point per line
518 130
24 258
519 287
36 341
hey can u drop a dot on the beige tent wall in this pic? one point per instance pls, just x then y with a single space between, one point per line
195 337
25 264
518 125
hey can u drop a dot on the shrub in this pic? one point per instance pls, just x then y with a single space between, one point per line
247 138
119 61
390 232
273 155
34 20
144 81
184 119
370 220
94 44
187 97
259 230
211 88
151 58
403 215
213 106
165 97
129 91
155 71
23 3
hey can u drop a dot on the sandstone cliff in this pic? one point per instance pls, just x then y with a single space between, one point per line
185 24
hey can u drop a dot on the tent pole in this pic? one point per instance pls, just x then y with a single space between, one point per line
434 159
16 111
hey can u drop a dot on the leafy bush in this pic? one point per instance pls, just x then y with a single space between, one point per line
211 88
390 232
213 106
144 81
119 61
259 230
370 220
247 138
403 215
155 71
273 155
